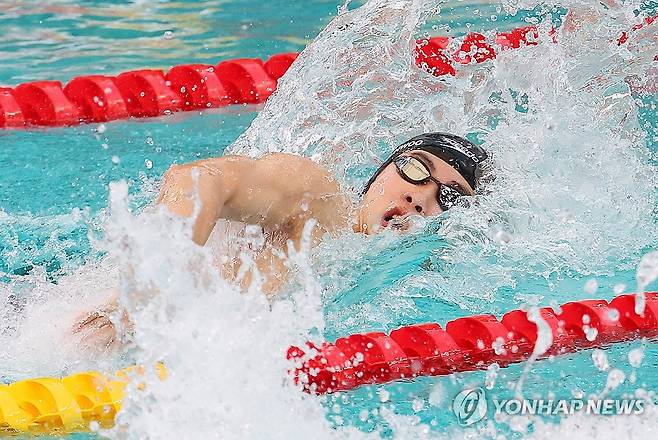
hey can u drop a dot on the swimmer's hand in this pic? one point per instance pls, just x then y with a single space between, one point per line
97 331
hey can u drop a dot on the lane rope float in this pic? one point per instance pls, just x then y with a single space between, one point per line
152 92
470 343
141 93
80 402
85 401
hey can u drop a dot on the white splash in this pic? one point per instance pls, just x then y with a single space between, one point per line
224 351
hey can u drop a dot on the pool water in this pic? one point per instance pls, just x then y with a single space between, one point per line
552 229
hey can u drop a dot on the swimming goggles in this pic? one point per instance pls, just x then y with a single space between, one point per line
414 171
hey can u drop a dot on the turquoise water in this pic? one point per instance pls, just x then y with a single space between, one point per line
69 169
62 39
54 185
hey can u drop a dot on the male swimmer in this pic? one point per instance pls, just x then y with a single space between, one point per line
425 176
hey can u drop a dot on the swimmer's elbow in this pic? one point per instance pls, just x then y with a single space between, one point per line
202 189
174 181
175 176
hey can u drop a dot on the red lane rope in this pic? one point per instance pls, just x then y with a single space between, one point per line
141 93
151 92
432 55
470 343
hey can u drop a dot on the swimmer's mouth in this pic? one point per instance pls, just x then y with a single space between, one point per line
395 217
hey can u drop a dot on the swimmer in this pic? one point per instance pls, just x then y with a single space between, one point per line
425 176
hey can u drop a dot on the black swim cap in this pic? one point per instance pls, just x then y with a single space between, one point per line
459 153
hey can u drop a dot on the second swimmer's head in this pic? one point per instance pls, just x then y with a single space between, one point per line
424 176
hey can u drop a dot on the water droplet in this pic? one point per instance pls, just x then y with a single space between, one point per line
436 395
254 236
615 378
116 160
635 357
626 54
149 140
600 359
417 405
168 35
94 426
647 270
613 314
632 377
148 164
640 303
591 286
591 333
502 237
491 376
101 128
384 395
498 347
619 288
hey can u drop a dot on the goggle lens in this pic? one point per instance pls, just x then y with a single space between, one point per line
415 171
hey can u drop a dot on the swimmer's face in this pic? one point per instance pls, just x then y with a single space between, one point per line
391 199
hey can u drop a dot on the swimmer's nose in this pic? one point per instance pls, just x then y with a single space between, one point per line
416 203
